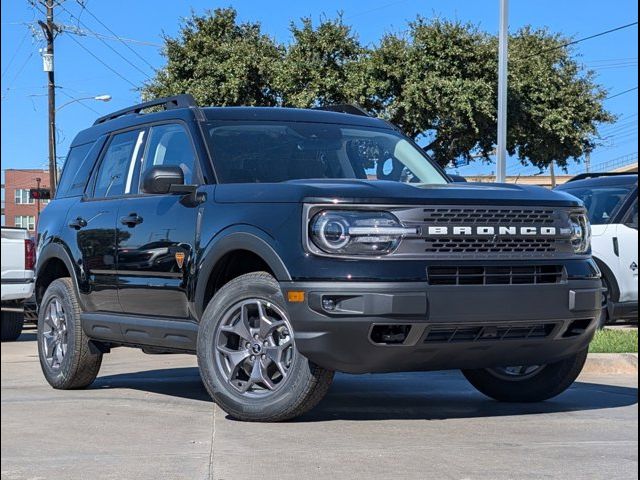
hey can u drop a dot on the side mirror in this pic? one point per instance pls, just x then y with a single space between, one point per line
457 178
164 179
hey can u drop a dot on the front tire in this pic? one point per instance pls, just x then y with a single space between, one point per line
11 325
66 357
247 355
527 384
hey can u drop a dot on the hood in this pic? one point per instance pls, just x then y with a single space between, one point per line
386 192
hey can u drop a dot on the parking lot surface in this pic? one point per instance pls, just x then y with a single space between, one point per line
150 417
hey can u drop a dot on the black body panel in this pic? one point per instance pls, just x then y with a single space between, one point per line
142 263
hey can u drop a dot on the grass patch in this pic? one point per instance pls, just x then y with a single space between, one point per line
615 341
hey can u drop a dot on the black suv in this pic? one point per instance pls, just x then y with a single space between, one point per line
281 245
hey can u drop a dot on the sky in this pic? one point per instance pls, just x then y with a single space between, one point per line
87 66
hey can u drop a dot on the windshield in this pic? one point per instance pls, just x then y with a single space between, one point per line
280 151
602 202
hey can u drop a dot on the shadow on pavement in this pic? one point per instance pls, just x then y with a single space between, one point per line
417 395
27 336
178 382
447 395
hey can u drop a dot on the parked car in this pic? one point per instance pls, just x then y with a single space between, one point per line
612 205
18 262
280 245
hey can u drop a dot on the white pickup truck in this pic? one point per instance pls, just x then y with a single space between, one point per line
18 261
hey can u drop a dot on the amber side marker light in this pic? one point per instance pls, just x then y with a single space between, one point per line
295 296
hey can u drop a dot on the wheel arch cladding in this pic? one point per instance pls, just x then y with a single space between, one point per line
233 255
609 276
53 262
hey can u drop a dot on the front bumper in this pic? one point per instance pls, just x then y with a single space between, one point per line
402 326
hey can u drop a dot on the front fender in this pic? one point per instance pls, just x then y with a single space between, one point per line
237 237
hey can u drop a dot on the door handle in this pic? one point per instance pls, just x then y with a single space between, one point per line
131 220
78 223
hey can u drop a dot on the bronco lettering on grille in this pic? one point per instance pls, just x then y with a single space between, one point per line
497 230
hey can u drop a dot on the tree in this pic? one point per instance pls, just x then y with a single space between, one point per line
319 66
219 62
438 82
555 106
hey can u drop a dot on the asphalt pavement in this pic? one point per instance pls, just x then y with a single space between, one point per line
148 416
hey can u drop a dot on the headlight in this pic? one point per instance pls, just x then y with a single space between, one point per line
357 232
580 232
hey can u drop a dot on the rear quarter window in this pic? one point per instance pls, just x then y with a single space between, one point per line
76 170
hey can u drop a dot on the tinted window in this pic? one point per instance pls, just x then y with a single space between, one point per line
602 202
73 173
277 152
112 174
170 145
632 216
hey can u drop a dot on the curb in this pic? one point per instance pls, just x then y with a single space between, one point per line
611 364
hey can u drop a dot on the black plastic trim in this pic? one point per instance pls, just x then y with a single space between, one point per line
174 334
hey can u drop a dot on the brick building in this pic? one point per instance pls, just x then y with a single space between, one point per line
19 210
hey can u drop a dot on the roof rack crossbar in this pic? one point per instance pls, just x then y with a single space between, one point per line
177 101
352 109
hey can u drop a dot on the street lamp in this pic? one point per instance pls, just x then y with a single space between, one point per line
99 98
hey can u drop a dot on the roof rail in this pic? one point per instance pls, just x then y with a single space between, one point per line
177 101
354 109
584 176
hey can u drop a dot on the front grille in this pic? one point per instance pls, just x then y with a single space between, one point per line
480 333
489 245
488 216
495 275
468 232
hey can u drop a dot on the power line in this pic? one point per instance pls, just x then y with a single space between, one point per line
81 102
103 63
573 42
15 54
622 93
17 74
105 43
84 7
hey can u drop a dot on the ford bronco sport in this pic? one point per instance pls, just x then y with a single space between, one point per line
280 245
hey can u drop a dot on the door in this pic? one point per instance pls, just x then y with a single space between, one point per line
157 233
94 221
627 235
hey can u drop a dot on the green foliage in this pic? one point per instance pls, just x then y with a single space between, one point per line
438 82
615 341
318 67
219 62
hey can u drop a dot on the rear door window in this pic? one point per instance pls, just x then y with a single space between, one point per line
114 177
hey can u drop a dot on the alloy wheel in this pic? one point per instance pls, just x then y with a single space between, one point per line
54 334
254 347
516 373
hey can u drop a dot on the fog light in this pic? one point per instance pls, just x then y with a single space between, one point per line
328 304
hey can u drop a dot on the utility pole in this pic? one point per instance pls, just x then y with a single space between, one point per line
49 29
552 173
587 161
501 170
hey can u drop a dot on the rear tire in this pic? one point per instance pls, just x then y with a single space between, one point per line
66 357
549 381
247 355
11 325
